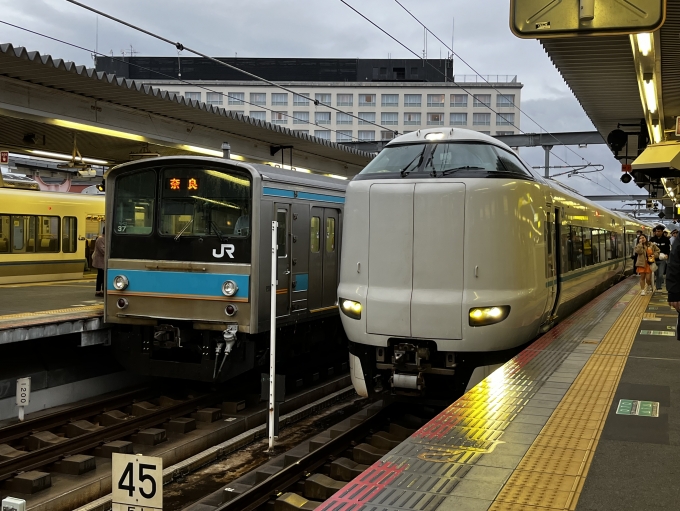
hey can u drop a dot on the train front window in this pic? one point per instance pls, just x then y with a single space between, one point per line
204 202
135 196
434 160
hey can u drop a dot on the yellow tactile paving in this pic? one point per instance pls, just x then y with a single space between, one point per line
41 317
552 473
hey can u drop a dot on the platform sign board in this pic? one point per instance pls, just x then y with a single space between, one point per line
542 19
4 157
137 483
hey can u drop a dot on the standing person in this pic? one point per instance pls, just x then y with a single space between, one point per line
664 245
647 254
673 277
98 257
674 237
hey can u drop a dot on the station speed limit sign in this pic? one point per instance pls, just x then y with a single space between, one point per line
137 483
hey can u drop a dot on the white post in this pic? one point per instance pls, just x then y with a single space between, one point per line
272 339
23 396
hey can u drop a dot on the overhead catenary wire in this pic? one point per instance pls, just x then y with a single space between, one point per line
439 71
198 86
182 47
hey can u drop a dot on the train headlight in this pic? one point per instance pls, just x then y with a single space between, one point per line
350 308
437 135
481 316
120 282
229 288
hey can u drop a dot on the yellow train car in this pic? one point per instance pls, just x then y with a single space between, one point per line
44 235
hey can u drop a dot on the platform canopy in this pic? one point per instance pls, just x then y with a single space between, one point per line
45 101
631 82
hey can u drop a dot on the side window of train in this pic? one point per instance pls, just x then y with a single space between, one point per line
330 234
281 238
22 234
595 244
566 248
587 246
315 234
576 253
135 198
4 234
69 235
48 234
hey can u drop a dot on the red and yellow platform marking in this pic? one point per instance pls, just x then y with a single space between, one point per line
552 472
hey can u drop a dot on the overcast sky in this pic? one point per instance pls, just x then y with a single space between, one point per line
327 28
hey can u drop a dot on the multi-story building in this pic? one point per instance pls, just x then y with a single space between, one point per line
377 97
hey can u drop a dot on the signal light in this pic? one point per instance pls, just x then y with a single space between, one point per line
102 186
626 178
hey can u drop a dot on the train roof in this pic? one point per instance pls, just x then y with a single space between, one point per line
266 172
446 134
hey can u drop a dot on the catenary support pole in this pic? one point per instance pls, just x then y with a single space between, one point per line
272 339
547 149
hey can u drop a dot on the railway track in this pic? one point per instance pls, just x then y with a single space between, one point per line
79 441
306 475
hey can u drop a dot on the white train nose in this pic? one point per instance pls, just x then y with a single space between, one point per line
409 294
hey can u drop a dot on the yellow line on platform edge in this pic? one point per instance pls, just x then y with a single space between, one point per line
552 473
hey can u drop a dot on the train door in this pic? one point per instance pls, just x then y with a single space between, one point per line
323 258
330 257
552 262
300 252
283 266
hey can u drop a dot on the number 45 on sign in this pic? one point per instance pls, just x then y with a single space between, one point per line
137 483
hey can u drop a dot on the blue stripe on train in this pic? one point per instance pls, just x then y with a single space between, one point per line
179 283
301 282
278 192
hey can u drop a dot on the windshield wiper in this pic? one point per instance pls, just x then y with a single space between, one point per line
466 167
405 172
184 229
217 231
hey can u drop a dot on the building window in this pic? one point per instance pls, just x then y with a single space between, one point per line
260 116
481 100
435 119
366 99
258 98
279 117
322 118
279 99
300 117
341 118
459 100
399 73
366 135
389 100
485 132
387 135
412 99
481 119
366 117
301 99
458 120
414 72
343 136
389 118
235 98
412 119
505 119
323 134
324 99
505 100
503 133
301 132
345 99
435 100
213 98
193 96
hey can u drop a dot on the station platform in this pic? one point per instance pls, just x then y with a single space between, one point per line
38 310
586 418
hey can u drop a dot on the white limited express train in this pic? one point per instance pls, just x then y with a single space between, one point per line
456 252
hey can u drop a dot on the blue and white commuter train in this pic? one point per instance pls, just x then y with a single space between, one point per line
189 261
